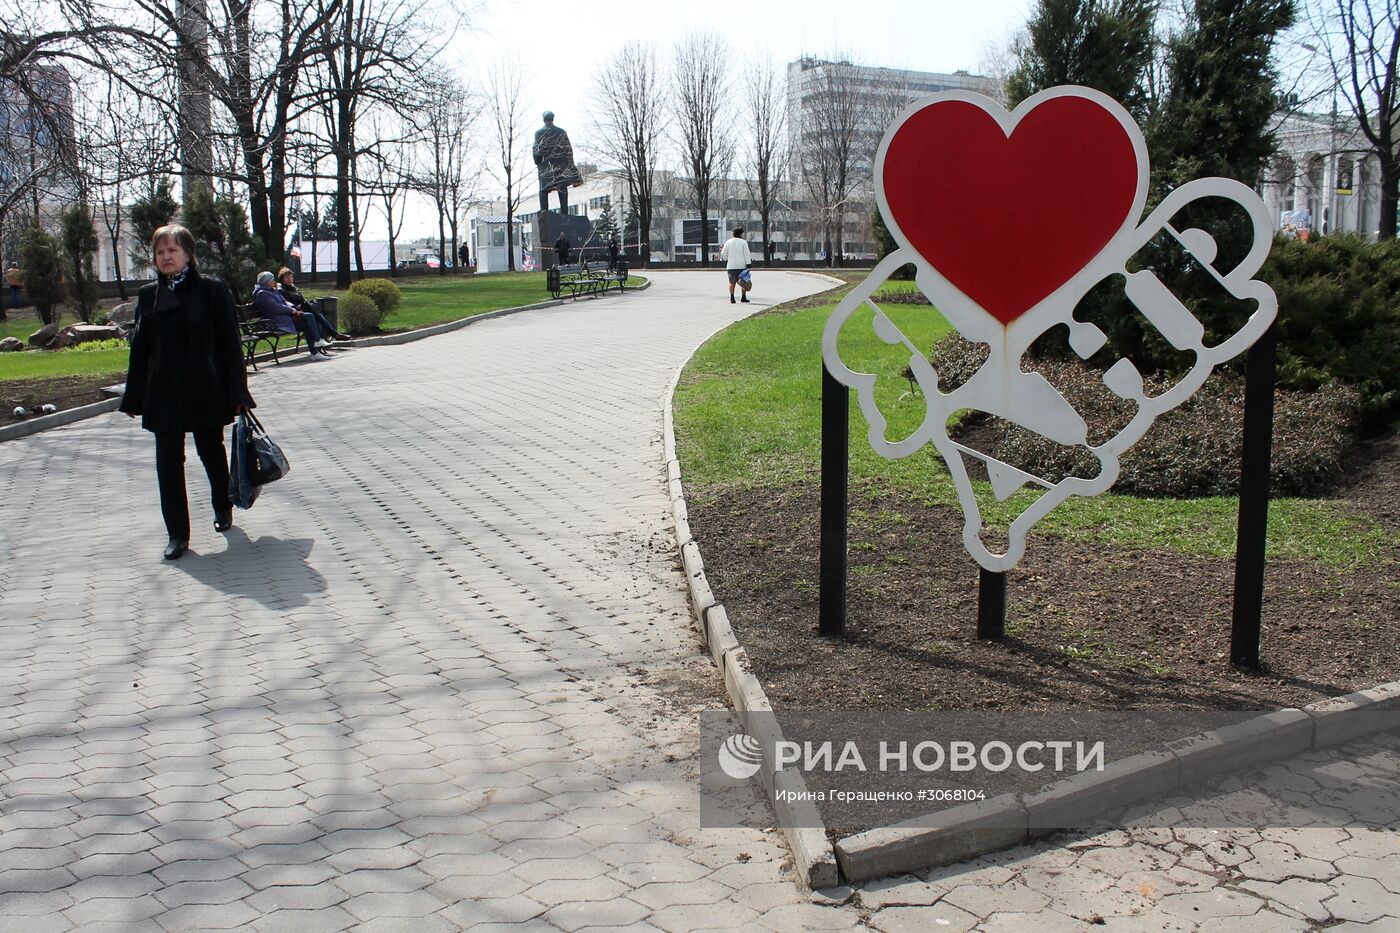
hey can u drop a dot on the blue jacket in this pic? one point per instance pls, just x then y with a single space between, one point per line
274 307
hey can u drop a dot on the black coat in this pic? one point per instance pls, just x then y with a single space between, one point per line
186 369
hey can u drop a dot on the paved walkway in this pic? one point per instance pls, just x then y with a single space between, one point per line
443 676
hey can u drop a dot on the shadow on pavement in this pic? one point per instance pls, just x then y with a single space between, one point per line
272 571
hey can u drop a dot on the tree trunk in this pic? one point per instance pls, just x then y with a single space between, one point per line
442 262
1390 194
355 211
344 150
705 234
116 261
193 113
510 228
393 256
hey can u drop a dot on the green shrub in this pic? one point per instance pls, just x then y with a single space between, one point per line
1193 450
89 346
226 247
358 314
382 292
39 258
1339 318
892 297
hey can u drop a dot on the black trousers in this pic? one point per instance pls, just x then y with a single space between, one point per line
170 473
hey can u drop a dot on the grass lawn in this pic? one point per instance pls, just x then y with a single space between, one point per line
18 366
435 300
426 300
748 414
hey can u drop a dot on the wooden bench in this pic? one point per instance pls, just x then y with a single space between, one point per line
256 331
580 280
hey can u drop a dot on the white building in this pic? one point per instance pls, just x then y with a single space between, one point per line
1324 179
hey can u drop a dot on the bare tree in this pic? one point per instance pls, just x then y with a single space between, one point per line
377 49
505 84
1363 37
767 113
629 123
829 148
391 173
448 116
701 91
126 145
253 57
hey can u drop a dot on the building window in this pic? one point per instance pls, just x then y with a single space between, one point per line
690 231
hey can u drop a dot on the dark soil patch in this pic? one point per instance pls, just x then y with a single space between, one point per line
63 392
1088 626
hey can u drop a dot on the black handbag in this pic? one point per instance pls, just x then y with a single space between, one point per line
268 463
254 461
242 491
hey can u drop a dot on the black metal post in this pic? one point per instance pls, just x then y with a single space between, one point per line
991 605
835 477
1260 371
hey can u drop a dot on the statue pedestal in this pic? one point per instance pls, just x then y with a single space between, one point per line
577 229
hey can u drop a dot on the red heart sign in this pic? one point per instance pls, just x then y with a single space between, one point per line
1007 220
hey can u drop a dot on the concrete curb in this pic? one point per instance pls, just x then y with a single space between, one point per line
59 419
974 829
813 855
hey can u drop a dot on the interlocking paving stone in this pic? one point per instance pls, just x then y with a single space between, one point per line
418 683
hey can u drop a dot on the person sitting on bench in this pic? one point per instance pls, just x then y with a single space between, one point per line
287 319
286 286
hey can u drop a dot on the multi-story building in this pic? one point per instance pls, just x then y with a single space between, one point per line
836 99
37 148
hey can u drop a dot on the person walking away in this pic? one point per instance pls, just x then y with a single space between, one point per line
287 288
736 257
186 376
287 319
15 279
561 250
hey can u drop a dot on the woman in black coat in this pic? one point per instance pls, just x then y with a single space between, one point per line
186 375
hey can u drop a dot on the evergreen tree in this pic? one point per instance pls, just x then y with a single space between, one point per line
43 271
885 244
631 228
227 247
149 213
605 227
79 239
1103 44
1214 120
1221 94
328 226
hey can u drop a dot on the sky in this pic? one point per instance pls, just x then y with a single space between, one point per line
563 44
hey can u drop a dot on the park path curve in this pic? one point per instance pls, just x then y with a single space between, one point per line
442 675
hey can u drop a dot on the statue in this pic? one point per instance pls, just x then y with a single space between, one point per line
554 157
